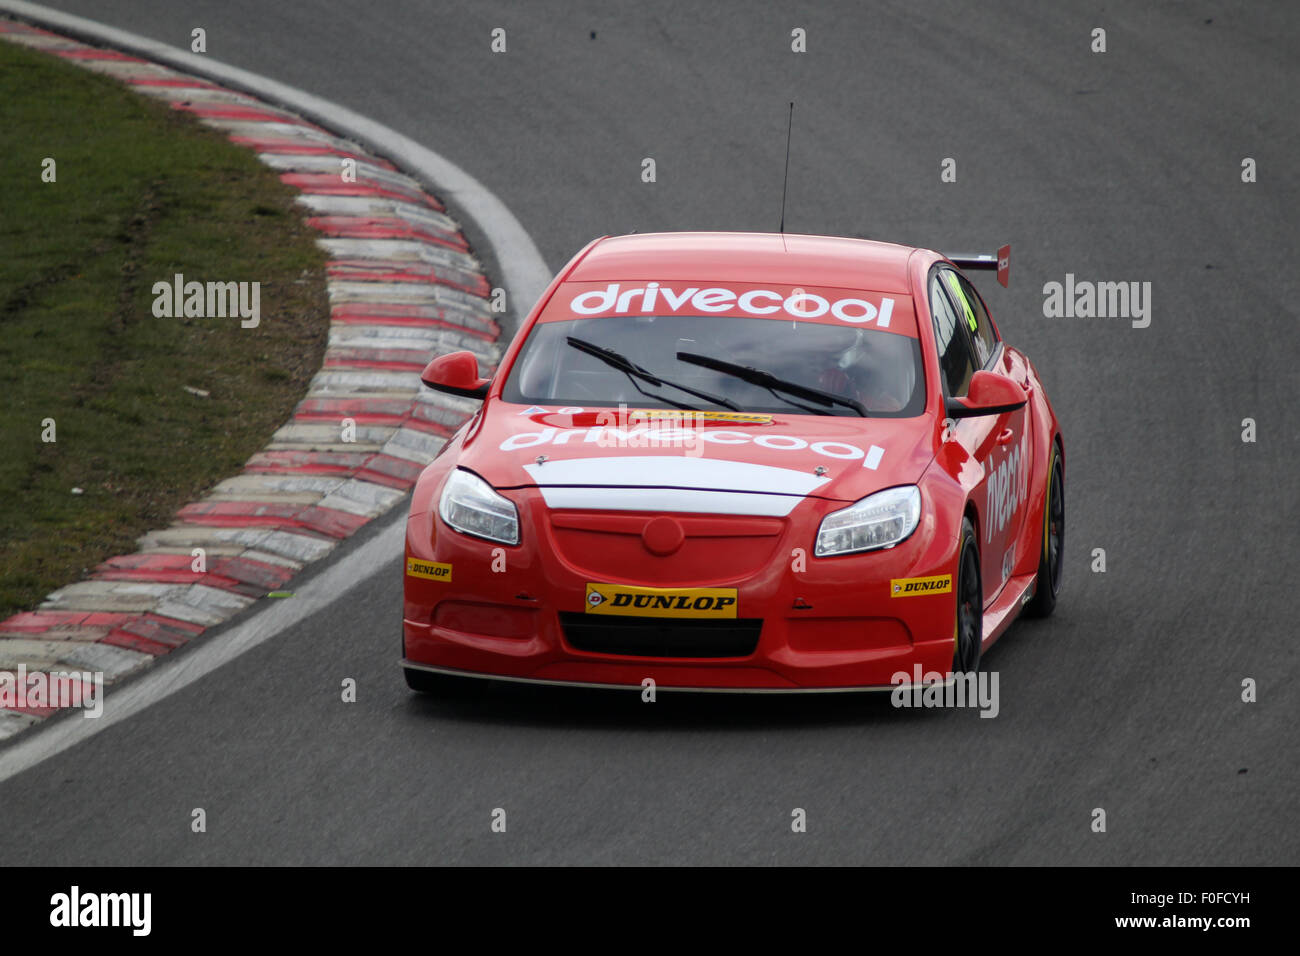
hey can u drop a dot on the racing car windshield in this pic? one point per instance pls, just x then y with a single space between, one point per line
872 370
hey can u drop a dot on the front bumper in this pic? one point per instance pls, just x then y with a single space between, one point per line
590 685
819 623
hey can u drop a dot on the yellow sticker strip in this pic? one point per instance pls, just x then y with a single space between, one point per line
683 415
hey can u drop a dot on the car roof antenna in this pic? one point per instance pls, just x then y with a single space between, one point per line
786 179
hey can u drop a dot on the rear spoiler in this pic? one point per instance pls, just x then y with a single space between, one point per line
1001 262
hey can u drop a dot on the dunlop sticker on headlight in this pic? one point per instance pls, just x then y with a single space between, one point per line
428 569
661 602
911 587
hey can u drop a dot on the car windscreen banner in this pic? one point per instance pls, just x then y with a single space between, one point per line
889 312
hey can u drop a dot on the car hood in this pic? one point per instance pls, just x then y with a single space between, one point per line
608 459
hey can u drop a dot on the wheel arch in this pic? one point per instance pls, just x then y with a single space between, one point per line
972 511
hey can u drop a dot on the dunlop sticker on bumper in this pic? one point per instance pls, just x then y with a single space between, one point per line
911 587
661 602
428 569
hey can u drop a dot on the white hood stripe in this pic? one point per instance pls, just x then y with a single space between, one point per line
682 500
676 471
672 483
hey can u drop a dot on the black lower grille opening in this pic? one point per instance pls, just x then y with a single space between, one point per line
660 637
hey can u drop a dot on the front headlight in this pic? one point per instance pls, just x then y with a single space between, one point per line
881 520
470 505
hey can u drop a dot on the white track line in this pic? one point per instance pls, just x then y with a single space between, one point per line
525 275
182 668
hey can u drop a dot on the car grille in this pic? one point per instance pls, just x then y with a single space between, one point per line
660 637
606 545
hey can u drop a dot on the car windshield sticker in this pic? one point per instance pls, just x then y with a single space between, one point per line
889 311
960 296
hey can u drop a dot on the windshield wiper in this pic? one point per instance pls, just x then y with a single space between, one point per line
634 372
756 376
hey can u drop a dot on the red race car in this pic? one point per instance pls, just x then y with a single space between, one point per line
734 461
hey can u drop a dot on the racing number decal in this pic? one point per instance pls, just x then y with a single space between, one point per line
619 599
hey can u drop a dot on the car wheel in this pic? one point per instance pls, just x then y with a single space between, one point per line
1048 583
444 685
970 603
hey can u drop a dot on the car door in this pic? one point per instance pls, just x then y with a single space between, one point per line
1016 435
967 342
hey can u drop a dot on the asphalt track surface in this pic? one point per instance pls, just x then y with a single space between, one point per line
1120 166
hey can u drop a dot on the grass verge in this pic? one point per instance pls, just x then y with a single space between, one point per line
142 192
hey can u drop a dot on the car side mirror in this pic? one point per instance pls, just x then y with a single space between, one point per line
989 394
457 374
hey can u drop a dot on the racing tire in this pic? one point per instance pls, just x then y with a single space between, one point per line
970 603
1047 585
